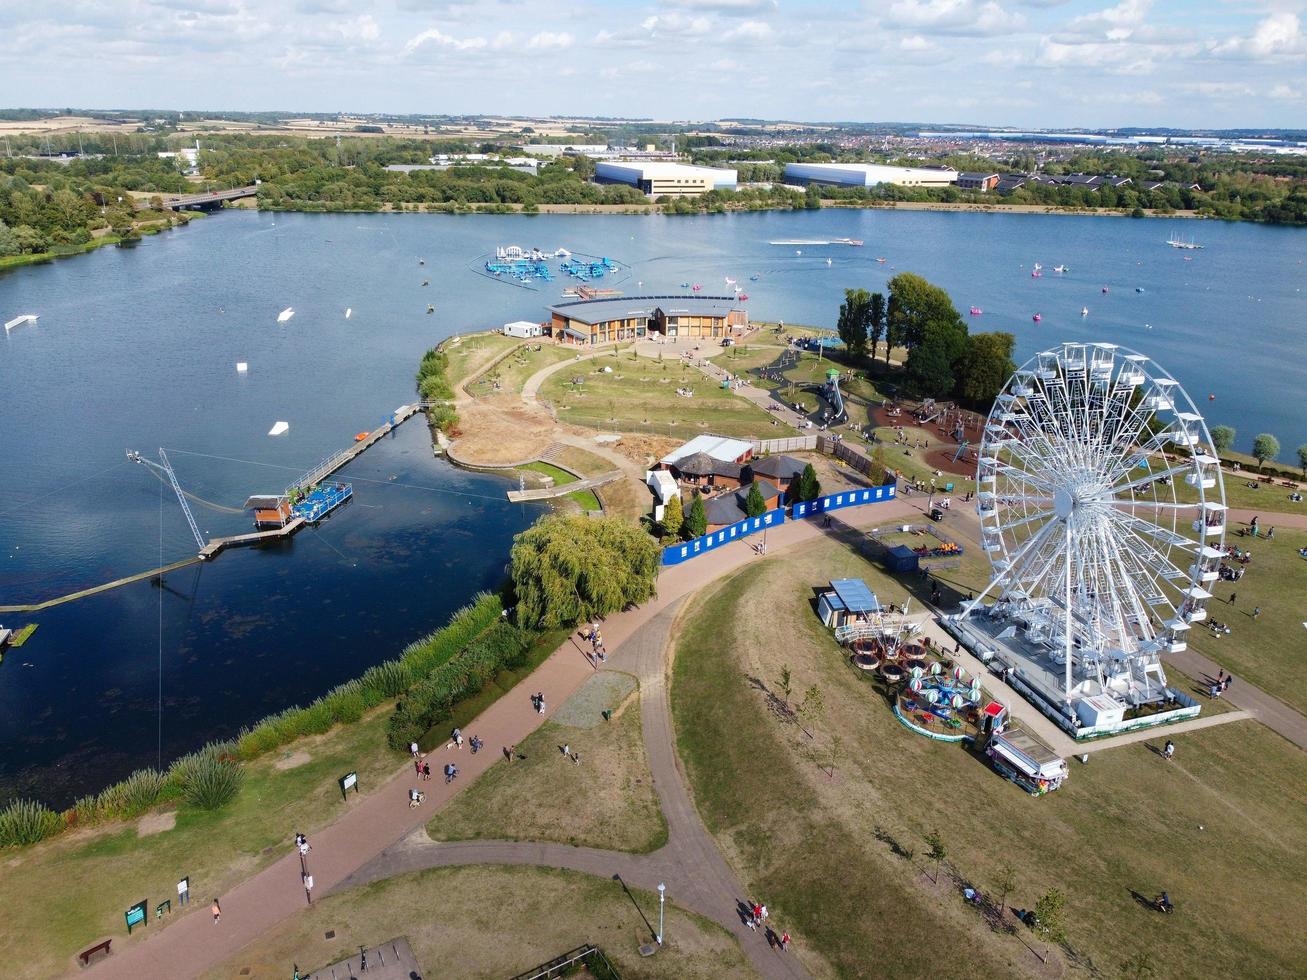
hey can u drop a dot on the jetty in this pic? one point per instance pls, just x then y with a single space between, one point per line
18 321
96 590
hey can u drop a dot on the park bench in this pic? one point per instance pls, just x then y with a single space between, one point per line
85 955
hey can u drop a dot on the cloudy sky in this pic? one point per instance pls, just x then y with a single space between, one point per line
1015 62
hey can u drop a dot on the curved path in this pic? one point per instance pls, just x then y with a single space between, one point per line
696 875
370 824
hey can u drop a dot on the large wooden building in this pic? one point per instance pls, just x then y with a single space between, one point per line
600 321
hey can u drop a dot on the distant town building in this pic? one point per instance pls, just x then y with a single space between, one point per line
973 181
659 178
868 175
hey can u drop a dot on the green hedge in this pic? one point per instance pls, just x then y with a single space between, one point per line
433 385
431 701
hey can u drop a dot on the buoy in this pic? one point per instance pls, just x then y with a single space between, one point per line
1211 398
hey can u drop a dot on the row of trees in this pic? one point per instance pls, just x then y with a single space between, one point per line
1266 448
943 358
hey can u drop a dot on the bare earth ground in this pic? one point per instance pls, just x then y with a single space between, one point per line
493 922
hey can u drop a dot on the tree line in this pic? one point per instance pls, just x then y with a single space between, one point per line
944 359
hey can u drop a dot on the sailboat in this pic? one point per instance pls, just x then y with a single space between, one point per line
1176 242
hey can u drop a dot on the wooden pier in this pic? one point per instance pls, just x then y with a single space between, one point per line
128 580
218 545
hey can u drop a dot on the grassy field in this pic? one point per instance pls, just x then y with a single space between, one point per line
493 922
511 373
606 801
1268 651
585 499
473 352
51 916
1222 827
644 392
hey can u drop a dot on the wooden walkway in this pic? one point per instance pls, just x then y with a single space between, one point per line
547 493
152 573
218 545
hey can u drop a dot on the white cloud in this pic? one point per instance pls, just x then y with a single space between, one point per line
550 41
915 42
1279 34
1284 92
362 28
751 30
966 17
726 6
434 36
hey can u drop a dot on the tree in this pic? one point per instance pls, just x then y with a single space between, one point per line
932 360
811 708
754 505
1222 437
1302 458
936 851
1050 914
1004 885
8 242
569 569
696 524
1265 449
812 198
786 685
917 303
855 314
985 367
673 517
893 326
809 487
876 322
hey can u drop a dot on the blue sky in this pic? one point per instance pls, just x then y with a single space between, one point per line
1186 63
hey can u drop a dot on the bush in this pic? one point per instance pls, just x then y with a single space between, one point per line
130 797
389 679
26 822
213 782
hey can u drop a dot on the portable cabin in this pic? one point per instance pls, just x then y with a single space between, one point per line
1028 762
847 601
270 510
523 329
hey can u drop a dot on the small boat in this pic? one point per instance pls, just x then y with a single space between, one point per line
278 428
743 296
976 311
730 281
18 321
1036 274
349 311
696 287
1037 317
242 367
685 285
1105 290
359 437
426 282
1038 267
1139 289
755 277
1084 311
798 251
881 260
422 261
285 314
1061 268
430 308
828 263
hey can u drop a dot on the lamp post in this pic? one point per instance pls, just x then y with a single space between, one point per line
662 897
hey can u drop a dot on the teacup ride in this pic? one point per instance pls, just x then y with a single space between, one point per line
892 673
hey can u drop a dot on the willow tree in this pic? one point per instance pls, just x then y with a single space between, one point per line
569 569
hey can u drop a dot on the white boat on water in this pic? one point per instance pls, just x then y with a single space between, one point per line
18 321
278 428
1177 242
285 314
817 241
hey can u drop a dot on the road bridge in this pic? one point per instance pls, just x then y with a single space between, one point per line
209 200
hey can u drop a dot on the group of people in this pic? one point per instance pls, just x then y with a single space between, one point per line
1223 682
538 702
598 652
757 919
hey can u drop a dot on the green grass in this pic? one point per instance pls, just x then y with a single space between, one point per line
513 371
1268 651
472 352
493 922
65 894
644 392
607 801
805 841
585 499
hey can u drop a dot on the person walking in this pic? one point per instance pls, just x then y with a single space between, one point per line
1232 597
216 909
576 758
1257 611
413 748
417 765
1168 750
426 770
1229 679
567 749
785 942
308 887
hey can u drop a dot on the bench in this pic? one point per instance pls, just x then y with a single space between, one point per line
85 955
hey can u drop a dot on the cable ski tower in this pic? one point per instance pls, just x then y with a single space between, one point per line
165 467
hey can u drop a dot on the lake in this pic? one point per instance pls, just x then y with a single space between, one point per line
136 349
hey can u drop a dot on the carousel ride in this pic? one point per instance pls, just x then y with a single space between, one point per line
1103 515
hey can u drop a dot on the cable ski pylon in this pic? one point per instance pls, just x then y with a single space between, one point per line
1103 515
165 467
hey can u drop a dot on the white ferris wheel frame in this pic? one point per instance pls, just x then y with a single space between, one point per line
1079 473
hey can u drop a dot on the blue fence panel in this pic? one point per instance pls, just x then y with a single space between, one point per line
846 498
677 553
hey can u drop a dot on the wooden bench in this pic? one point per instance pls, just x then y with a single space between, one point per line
85 955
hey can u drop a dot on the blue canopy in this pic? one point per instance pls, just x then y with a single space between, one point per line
852 595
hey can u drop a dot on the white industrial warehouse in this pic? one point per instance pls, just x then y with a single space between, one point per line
868 175
658 178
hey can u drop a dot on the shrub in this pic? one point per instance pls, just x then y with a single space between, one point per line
26 822
390 678
131 796
213 782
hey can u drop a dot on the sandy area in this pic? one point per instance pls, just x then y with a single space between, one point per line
156 823
292 761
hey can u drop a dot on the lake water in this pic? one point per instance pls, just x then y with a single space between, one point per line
136 348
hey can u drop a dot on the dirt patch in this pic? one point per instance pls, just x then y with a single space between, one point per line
605 691
499 429
292 761
156 823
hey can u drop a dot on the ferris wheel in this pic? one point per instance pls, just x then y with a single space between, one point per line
1103 515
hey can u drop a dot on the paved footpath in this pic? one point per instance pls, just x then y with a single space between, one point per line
377 821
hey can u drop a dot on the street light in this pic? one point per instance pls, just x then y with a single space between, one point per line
662 897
